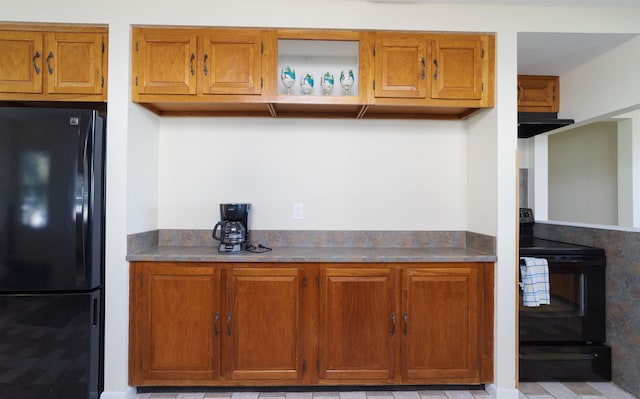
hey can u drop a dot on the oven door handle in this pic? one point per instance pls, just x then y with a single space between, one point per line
558 356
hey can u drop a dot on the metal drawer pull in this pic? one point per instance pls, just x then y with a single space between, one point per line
33 60
50 56
435 75
229 324
215 324
193 56
393 324
206 71
406 323
424 68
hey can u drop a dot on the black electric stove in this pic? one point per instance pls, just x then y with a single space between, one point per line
564 340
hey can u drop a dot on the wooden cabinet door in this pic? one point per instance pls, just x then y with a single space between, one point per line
176 325
401 66
538 93
457 63
165 61
21 61
231 62
263 335
73 62
356 326
440 324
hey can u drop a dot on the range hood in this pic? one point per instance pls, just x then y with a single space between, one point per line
533 123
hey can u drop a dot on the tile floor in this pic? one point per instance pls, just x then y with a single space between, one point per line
528 390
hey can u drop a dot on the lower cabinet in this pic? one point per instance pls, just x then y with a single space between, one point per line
263 334
357 324
441 320
174 322
413 325
199 323
227 324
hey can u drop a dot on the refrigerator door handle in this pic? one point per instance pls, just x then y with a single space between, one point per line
81 209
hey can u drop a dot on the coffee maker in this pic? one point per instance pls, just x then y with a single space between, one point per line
233 229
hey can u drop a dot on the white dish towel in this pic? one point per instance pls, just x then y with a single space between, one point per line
534 275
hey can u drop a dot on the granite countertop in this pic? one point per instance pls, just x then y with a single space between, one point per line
313 254
316 246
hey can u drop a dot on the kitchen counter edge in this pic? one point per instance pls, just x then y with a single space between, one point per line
312 254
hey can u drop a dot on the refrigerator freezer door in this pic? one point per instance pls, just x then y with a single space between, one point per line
50 190
50 346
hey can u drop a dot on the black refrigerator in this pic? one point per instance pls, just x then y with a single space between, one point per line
51 253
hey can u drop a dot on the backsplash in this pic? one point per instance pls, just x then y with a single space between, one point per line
302 238
623 293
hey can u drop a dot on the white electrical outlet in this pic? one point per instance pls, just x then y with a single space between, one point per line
298 211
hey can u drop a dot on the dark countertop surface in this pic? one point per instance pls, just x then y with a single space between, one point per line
314 254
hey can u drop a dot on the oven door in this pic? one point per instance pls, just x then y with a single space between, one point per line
576 312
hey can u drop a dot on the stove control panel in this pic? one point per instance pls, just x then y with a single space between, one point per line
526 215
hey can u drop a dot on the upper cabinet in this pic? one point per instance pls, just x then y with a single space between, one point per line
322 73
210 71
53 63
231 62
169 62
458 66
432 75
401 66
538 93
165 62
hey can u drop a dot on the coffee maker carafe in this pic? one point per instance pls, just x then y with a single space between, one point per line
233 229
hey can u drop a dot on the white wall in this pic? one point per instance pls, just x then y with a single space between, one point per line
625 172
348 174
583 174
602 87
481 159
606 84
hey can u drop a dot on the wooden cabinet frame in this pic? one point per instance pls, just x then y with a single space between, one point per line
53 62
538 93
272 324
400 74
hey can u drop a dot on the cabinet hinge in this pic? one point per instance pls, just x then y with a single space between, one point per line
261 82
102 47
304 281
136 45
482 86
102 81
318 280
374 51
304 366
483 53
261 48
374 85
136 81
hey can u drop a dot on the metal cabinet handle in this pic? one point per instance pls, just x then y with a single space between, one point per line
424 68
406 323
206 71
50 56
435 74
193 57
393 324
229 324
33 60
215 323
